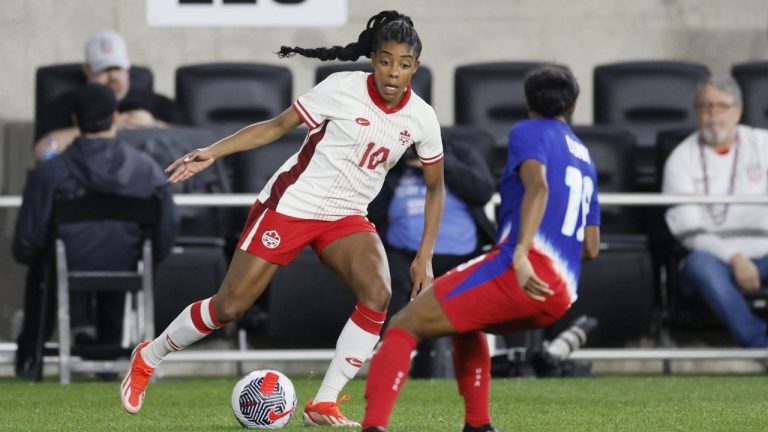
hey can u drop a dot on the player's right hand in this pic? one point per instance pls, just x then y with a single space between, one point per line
189 165
527 278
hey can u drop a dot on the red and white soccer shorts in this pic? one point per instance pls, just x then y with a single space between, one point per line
278 238
483 294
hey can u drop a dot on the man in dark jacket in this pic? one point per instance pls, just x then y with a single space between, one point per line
95 162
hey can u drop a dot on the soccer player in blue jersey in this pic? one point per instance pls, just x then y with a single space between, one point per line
549 222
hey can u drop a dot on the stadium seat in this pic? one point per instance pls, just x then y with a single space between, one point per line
308 304
753 80
56 80
137 284
612 151
421 82
491 96
618 289
197 265
225 97
252 169
646 97
482 141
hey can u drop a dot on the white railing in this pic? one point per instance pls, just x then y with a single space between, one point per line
609 199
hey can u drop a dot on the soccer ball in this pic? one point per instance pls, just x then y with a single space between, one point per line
264 399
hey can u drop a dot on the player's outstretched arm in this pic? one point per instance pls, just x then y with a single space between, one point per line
249 137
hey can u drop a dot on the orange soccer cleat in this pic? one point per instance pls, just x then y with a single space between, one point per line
327 414
135 382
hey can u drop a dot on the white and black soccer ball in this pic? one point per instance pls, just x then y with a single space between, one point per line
264 399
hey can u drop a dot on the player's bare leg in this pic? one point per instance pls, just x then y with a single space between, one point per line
245 281
359 259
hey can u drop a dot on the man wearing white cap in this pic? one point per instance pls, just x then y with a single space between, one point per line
107 63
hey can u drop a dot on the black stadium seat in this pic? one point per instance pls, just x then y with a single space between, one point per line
753 80
612 151
491 96
421 81
308 304
646 97
253 168
228 96
617 288
481 140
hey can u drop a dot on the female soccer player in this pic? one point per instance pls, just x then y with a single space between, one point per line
549 221
360 124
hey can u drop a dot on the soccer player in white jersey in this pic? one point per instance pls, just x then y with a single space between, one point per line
360 124
549 222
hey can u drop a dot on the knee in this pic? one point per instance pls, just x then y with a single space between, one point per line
699 260
376 296
403 321
699 263
227 311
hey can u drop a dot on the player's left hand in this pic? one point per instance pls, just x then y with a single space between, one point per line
421 275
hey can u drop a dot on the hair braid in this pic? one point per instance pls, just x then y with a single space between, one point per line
382 27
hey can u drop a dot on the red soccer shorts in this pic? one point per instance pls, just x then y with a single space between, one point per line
483 294
278 238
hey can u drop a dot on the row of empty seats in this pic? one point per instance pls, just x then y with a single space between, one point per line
644 98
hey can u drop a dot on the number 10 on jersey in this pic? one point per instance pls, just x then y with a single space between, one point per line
372 159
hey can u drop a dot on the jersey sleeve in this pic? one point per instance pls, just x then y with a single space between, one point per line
524 146
430 148
320 103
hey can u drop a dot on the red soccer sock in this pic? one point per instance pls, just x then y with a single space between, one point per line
386 376
472 366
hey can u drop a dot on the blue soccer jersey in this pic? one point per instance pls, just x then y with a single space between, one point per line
572 203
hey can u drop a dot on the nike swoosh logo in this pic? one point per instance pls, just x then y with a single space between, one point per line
274 416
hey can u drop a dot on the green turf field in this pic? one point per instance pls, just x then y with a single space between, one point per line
636 403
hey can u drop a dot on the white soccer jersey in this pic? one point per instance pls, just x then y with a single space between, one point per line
353 140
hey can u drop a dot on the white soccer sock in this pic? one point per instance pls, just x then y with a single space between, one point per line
354 346
195 322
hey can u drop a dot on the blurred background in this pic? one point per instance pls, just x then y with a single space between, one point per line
581 35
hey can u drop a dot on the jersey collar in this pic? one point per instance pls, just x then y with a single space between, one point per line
379 101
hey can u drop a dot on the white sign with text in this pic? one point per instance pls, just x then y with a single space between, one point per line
246 13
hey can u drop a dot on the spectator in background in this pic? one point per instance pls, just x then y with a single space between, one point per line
107 63
398 213
95 162
728 243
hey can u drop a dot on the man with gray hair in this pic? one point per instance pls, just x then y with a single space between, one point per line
728 243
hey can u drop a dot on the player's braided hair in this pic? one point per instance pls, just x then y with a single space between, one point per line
383 27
